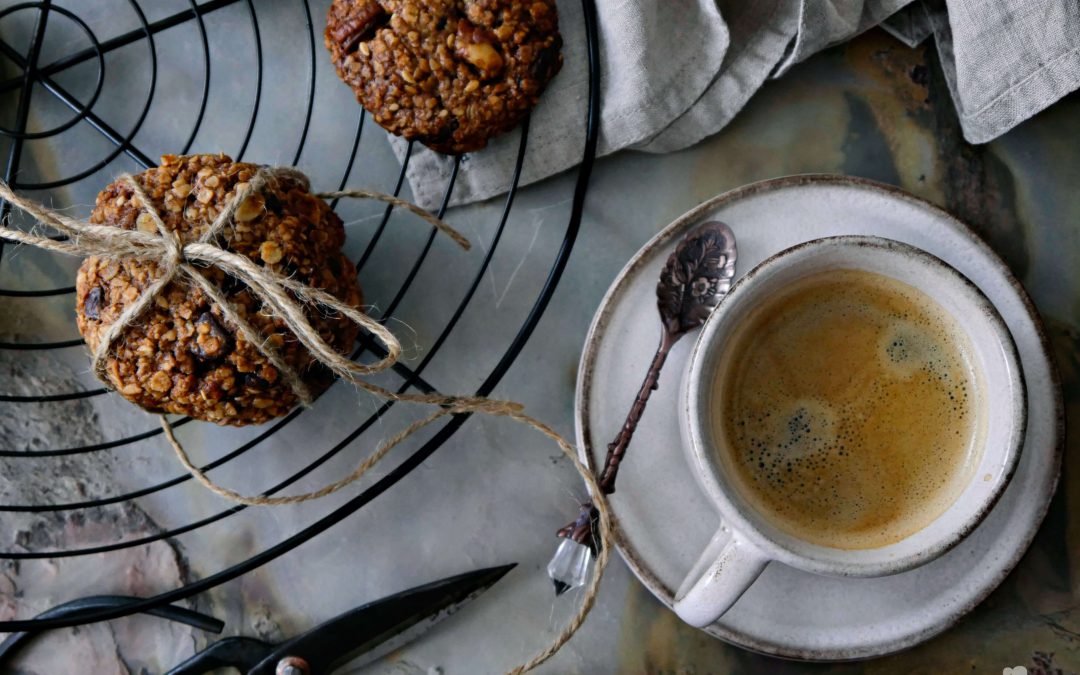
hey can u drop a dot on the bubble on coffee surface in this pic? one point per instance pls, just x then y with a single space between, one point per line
785 437
917 347
849 410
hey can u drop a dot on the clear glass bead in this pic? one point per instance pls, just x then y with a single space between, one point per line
569 568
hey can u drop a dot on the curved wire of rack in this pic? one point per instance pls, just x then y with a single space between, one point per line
123 142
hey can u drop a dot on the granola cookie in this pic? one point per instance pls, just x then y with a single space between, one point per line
182 356
449 73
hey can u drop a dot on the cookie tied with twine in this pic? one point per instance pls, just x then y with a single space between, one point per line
187 352
219 252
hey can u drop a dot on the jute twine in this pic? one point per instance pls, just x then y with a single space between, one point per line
287 300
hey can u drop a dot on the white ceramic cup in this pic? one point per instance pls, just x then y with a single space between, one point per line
746 541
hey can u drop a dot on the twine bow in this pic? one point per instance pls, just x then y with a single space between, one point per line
286 299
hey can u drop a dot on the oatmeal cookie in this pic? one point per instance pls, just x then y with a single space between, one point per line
448 73
182 356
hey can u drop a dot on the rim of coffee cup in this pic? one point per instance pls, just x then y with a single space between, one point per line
775 544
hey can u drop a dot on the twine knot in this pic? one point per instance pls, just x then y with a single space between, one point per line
174 252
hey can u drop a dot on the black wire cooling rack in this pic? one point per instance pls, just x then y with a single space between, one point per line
49 76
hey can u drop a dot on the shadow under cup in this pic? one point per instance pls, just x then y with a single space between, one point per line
747 539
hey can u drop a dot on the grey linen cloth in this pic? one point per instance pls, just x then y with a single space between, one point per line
677 71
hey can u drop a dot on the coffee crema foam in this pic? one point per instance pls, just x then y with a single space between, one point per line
848 410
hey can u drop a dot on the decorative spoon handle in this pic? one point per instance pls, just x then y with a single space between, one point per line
617 448
696 277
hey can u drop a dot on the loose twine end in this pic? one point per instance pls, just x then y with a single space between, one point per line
425 215
286 299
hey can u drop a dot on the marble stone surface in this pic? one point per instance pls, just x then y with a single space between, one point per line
495 492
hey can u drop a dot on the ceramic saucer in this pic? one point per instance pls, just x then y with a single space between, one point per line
665 520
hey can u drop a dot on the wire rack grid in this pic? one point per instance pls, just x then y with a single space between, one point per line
73 79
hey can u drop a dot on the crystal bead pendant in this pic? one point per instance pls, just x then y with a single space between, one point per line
570 565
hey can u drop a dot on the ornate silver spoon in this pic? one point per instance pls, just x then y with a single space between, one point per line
694 280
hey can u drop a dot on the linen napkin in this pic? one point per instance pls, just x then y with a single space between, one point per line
675 72
1004 61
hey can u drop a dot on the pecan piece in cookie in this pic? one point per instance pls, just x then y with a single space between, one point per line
476 46
367 18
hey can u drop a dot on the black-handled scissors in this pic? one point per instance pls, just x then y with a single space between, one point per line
372 630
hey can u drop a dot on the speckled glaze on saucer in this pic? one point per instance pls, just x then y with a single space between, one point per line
665 519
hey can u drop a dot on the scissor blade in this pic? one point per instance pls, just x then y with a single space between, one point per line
378 628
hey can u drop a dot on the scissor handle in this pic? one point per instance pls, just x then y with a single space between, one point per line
242 653
16 641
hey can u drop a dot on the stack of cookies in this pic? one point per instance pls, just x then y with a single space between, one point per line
182 355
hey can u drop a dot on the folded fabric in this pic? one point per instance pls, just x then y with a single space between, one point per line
1004 61
678 71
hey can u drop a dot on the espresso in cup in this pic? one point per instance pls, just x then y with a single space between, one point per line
848 409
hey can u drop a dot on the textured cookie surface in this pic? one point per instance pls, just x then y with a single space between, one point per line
450 74
182 355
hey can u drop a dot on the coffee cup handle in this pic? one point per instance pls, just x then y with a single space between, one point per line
723 572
